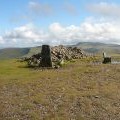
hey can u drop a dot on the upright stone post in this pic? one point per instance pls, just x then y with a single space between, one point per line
106 59
104 55
46 56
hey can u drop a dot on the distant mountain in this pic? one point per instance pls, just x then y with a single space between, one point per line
89 47
99 48
8 53
33 50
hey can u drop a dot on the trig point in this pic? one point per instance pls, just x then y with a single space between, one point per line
46 56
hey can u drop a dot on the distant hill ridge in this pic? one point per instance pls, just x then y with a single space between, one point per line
8 53
89 47
98 48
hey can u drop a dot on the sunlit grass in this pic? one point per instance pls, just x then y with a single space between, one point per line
75 91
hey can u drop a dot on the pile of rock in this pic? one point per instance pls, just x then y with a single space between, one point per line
54 56
65 53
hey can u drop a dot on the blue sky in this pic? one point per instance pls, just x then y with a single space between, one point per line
13 11
33 22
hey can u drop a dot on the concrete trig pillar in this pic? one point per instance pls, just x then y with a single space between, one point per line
46 56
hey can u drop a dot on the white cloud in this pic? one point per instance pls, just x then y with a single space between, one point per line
27 35
105 9
1 40
56 28
91 31
87 31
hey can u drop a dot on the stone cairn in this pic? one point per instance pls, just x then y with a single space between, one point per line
54 57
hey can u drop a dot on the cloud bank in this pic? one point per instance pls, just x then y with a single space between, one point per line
105 9
88 31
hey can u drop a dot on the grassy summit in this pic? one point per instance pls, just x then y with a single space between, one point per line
80 90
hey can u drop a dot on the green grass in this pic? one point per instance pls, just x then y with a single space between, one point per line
80 90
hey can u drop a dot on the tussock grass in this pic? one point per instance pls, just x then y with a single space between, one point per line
80 90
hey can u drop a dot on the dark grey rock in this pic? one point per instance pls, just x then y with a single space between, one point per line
107 60
46 56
